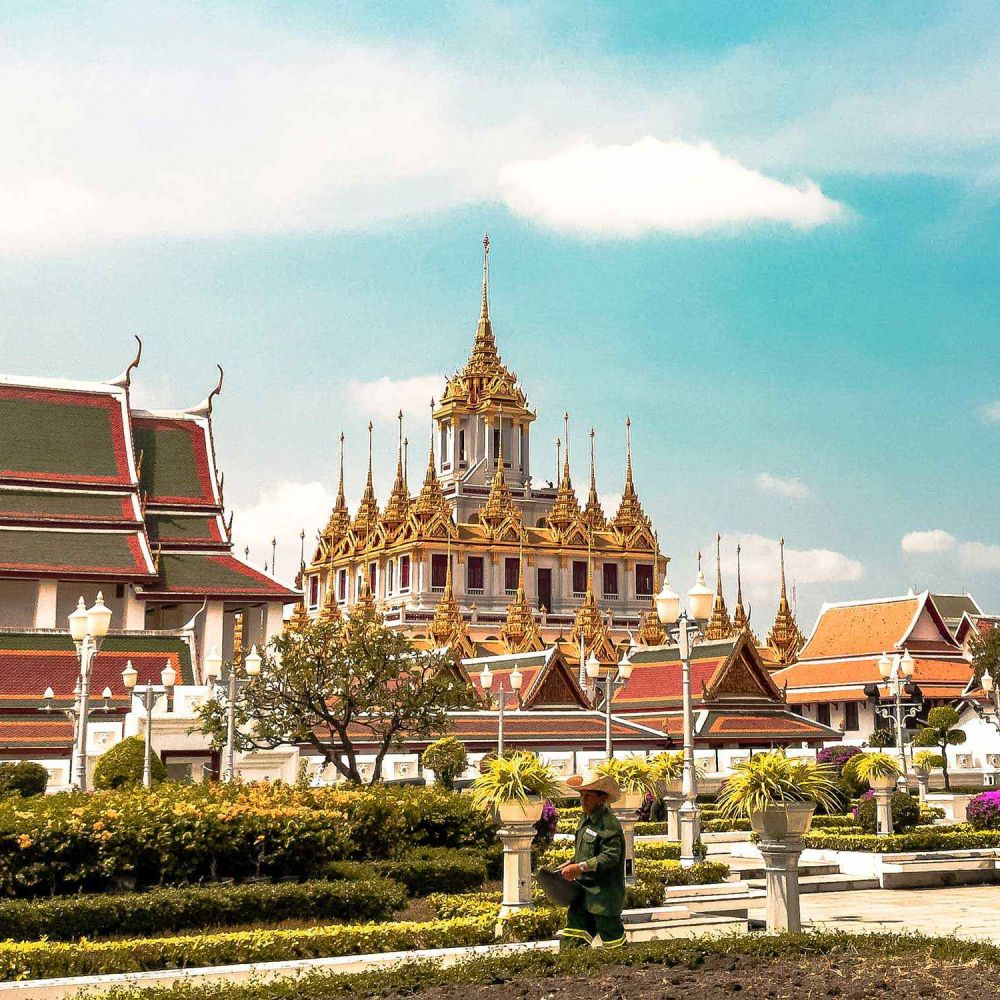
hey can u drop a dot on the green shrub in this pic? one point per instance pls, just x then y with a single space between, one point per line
905 813
23 779
447 758
650 829
725 825
835 822
423 871
121 766
162 911
919 839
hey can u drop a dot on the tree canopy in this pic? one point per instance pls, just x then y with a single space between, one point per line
941 731
343 687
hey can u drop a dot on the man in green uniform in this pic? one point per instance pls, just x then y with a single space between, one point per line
598 867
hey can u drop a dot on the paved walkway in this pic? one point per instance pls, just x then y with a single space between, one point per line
971 912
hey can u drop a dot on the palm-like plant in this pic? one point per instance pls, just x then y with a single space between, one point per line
872 765
925 761
513 779
772 779
633 774
668 766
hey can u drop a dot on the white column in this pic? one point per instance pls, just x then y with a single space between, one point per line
274 622
135 611
45 604
517 883
214 618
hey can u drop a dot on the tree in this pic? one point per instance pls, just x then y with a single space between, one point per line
447 758
121 766
985 650
941 731
336 685
882 737
25 778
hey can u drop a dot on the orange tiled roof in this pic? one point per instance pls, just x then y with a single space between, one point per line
854 629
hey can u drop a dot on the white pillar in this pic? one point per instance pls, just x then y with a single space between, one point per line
672 803
214 618
45 604
781 866
883 811
627 818
516 837
134 618
274 621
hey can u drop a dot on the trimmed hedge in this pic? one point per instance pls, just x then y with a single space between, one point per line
919 839
658 852
161 911
50 959
432 869
847 822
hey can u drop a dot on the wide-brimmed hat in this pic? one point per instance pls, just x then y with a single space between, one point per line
595 783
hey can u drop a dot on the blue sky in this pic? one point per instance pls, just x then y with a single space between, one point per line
768 232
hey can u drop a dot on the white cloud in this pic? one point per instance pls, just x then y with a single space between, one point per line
934 540
385 397
671 186
979 556
281 511
777 486
760 565
154 393
991 412
610 502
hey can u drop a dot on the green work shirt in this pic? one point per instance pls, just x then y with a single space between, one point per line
600 848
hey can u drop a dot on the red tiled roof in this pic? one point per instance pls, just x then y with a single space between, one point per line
848 630
782 724
659 683
44 732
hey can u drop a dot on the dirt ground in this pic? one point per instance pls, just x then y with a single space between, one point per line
847 978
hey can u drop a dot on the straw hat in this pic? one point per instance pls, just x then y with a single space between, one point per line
595 783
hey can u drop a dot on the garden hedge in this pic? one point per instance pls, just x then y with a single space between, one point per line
423 871
161 911
179 834
919 839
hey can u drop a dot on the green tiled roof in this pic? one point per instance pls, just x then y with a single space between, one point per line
60 439
42 503
180 528
218 573
169 461
69 551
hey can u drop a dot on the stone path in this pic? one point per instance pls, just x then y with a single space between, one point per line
971 912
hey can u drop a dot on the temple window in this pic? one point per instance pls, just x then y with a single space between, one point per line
823 714
404 572
610 574
341 585
579 578
474 583
643 580
445 456
851 717
313 591
439 571
510 574
373 577
461 446
390 574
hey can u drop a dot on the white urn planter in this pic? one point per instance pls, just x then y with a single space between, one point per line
521 811
630 800
780 829
883 786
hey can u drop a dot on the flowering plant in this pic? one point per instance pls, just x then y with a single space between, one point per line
983 811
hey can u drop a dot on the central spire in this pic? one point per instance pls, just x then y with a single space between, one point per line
485 344
565 508
719 626
593 513
367 516
784 639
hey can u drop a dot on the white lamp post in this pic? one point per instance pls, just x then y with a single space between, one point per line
992 711
613 682
231 690
897 673
516 679
685 632
149 693
87 629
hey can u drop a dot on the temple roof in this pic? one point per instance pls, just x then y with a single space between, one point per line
223 575
32 505
75 553
178 464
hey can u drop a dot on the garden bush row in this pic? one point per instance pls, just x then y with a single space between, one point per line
50 959
423 871
195 833
161 911
918 839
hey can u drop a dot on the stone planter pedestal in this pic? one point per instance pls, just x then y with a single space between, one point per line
516 833
923 785
625 810
780 829
672 804
883 788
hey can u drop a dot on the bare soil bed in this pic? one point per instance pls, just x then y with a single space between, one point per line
847 977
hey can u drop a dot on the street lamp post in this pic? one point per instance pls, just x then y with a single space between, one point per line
87 628
486 681
897 673
231 690
992 712
685 633
149 693
612 683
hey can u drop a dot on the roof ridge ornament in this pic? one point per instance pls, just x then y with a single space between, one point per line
204 408
124 381
719 625
784 638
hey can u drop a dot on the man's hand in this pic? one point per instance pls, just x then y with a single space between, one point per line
572 872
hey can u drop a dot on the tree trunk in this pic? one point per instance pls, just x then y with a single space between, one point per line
944 767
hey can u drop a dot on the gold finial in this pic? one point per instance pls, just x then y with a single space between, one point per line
486 276
406 459
340 490
781 544
566 433
630 516
558 458
628 448
594 513
718 564
370 428
699 560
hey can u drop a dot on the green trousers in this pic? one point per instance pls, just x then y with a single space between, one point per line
582 926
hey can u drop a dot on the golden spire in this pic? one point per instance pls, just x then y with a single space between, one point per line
719 626
430 500
448 627
784 638
630 513
741 620
366 599
367 516
399 500
499 504
299 619
566 508
330 612
238 637
593 514
519 632
340 518
590 623
651 631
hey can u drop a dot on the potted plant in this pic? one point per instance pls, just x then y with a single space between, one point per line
514 788
669 771
925 761
636 777
881 772
778 795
